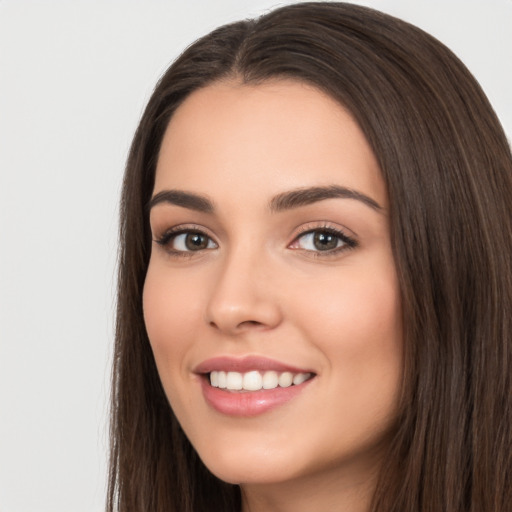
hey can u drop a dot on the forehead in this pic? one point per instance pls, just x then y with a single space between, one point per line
265 138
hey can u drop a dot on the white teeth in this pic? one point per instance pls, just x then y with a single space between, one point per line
286 379
234 381
214 379
221 379
255 381
270 380
300 378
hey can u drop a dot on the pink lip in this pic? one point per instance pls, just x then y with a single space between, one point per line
247 403
245 364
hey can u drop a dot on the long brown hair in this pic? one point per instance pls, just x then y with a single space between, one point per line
448 169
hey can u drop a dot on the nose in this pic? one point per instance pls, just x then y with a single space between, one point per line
243 297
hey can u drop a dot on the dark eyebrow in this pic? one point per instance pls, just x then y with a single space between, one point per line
181 198
284 201
305 196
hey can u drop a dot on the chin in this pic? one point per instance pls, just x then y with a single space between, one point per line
250 475
251 466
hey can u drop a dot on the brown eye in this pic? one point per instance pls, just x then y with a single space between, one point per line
186 241
329 241
325 241
320 241
195 241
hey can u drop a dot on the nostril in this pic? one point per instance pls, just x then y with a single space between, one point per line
245 324
250 323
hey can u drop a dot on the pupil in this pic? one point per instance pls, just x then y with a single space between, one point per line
325 241
196 241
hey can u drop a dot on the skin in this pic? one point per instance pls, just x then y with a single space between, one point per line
260 287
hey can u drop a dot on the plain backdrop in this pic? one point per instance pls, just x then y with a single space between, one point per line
74 78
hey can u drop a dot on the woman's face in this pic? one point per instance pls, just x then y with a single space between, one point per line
271 270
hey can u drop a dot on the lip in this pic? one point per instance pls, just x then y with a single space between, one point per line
247 403
246 364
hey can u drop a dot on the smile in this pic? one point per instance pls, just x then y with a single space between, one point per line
255 380
251 385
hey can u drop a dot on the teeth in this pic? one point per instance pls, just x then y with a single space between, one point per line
234 381
221 382
300 378
255 381
270 380
286 379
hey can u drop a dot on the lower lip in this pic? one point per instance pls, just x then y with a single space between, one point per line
249 403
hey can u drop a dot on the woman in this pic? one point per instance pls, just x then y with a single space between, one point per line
315 279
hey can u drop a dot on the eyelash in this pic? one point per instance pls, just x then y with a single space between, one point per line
171 234
348 242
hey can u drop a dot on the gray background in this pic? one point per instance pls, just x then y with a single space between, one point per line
74 77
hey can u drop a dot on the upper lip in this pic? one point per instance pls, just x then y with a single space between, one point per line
245 364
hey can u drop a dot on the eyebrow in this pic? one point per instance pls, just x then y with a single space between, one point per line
281 202
305 196
183 199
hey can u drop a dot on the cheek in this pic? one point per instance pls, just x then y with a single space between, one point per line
170 313
359 332
359 308
356 323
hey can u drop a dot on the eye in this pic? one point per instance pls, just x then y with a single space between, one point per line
183 241
323 240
